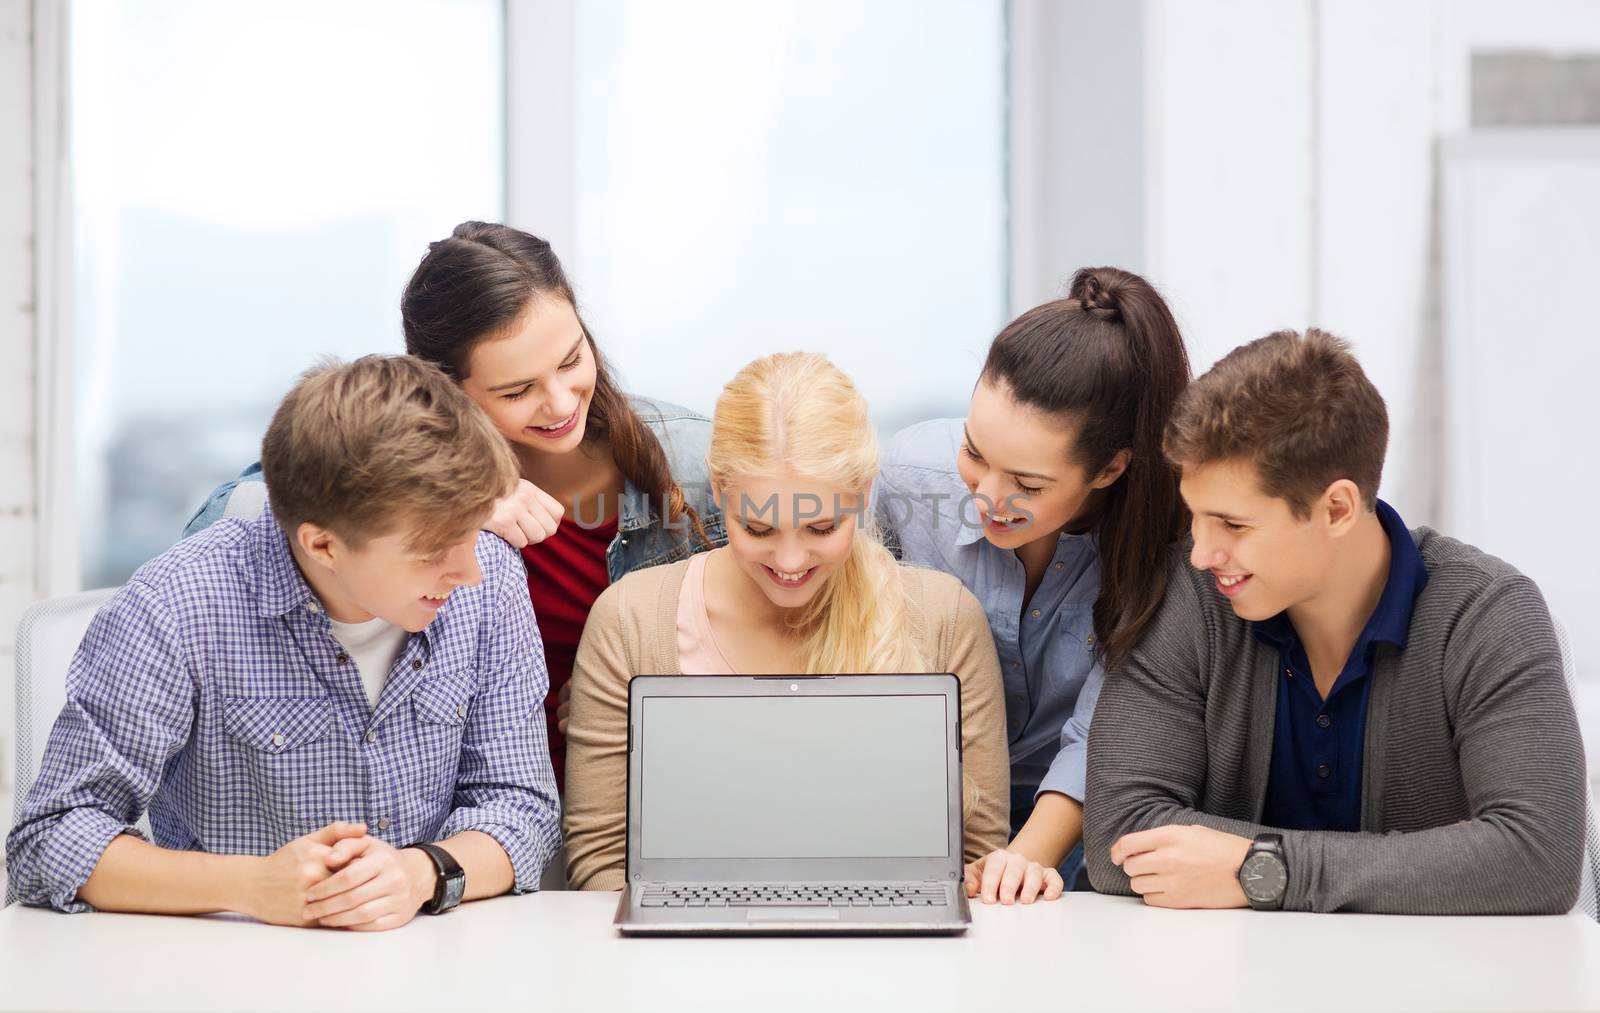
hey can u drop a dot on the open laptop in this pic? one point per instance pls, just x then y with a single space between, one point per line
794 804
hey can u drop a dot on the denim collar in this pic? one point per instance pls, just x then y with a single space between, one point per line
636 511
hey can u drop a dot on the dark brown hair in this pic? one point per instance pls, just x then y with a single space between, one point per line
386 440
1299 408
1108 359
474 285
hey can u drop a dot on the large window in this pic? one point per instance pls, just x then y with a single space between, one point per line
816 174
253 183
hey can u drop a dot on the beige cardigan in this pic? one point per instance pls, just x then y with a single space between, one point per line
633 630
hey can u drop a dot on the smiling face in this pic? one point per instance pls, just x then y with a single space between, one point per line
536 381
1262 558
789 535
386 577
1018 465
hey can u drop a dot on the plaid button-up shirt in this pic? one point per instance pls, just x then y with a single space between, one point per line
211 692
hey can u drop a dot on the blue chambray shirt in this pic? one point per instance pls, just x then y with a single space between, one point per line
1047 654
210 691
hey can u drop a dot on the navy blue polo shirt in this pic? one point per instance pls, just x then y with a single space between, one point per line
1315 779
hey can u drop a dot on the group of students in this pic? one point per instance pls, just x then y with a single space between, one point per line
386 669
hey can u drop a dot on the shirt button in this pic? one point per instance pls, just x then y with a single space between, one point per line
277 740
342 658
1323 721
372 736
416 664
312 606
1036 613
1060 565
1322 770
1089 640
1289 672
461 710
383 823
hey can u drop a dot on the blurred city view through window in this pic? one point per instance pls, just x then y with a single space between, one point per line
750 178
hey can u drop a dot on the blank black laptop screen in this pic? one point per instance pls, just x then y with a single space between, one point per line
793 777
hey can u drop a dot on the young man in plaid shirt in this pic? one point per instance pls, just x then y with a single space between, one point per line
332 712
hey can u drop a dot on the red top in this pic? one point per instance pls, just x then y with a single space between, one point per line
566 573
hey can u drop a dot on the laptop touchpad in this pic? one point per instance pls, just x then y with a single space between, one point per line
793 915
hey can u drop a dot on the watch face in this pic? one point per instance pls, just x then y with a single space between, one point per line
454 887
1263 878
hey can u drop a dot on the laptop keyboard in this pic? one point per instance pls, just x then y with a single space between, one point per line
687 895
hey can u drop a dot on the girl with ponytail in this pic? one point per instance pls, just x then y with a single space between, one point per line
804 584
609 483
1053 504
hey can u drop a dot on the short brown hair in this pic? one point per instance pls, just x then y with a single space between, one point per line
1298 407
364 447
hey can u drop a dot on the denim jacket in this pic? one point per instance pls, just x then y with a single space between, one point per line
643 537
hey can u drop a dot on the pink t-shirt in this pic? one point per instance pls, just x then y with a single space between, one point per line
698 653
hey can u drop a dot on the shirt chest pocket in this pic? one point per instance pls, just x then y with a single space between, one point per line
277 725
440 708
290 757
1071 652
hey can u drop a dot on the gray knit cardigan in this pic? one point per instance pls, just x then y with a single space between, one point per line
1472 794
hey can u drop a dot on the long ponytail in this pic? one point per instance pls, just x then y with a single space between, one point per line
1109 359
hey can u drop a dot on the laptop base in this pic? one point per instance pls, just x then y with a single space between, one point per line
912 910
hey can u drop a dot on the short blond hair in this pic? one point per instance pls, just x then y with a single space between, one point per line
386 441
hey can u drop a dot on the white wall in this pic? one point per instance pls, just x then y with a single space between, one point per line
1292 179
1520 212
1076 173
1229 192
16 351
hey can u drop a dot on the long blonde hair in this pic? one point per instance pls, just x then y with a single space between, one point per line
796 413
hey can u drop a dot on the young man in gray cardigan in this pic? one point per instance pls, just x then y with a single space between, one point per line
1329 712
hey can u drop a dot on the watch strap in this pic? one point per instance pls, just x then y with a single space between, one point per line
446 868
1268 844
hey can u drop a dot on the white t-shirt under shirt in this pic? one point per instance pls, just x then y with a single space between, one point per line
373 646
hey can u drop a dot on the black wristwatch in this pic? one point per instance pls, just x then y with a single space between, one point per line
451 882
1264 873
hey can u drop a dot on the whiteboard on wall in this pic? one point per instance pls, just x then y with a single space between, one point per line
1520 219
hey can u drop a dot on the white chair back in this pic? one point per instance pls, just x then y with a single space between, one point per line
1589 894
47 638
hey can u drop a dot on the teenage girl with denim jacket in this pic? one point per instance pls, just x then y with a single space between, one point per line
609 484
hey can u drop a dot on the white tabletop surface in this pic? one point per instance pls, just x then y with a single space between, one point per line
558 951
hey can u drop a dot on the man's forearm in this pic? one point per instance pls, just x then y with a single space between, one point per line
1053 829
136 876
1477 866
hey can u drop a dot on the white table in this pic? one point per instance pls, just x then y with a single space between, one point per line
557 951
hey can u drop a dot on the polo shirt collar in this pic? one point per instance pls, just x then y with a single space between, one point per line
1390 621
